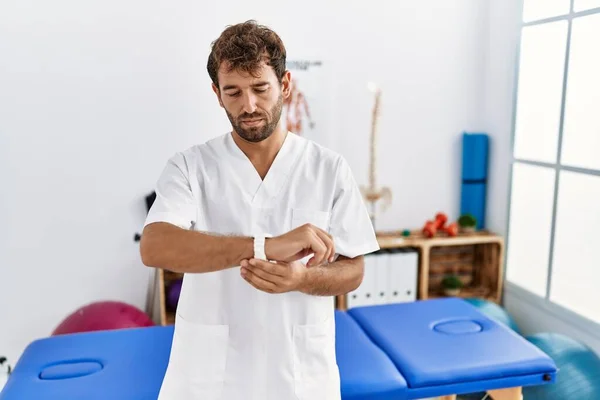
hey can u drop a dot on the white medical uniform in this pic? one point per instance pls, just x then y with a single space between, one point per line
232 341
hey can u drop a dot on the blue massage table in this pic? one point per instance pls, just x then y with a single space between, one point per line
422 349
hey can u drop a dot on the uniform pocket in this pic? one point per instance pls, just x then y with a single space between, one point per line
316 373
199 356
301 216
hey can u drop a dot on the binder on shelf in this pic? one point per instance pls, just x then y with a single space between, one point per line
369 282
362 295
382 276
403 278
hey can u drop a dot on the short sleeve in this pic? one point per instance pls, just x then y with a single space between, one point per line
175 202
350 224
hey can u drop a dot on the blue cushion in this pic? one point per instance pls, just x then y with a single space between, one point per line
366 373
129 364
449 342
123 364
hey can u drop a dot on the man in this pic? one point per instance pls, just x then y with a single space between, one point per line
267 226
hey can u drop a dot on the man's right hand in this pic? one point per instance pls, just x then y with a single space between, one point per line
299 243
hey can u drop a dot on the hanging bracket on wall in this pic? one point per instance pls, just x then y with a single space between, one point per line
5 365
149 201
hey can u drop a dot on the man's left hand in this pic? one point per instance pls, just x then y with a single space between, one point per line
273 277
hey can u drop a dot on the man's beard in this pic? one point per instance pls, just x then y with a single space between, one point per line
258 133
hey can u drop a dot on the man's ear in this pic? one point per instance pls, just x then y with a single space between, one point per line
218 93
286 84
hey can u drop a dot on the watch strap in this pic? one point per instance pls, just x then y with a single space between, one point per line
259 247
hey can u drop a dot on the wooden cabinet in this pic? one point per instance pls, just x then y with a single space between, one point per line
161 313
476 258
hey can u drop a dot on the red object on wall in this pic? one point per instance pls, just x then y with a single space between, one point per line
101 316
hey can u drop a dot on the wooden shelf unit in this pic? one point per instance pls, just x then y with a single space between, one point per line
476 257
166 315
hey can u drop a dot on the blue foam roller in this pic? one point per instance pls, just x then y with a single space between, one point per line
473 199
475 157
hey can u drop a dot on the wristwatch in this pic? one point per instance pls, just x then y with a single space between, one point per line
259 247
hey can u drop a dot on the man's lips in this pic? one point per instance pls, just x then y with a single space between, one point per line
252 121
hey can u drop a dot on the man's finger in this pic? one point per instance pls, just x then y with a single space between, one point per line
300 255
269 267
328 242
258 282
267 276
319 248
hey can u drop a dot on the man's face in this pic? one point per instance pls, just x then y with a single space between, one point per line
253 104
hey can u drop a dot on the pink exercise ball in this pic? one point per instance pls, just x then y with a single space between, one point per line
101 316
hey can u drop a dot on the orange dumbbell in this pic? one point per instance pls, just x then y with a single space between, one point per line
452 229
438 224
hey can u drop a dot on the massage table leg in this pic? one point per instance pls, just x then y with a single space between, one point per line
506 394
500 394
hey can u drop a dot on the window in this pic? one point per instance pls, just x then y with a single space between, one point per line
530 226
581 135
576 266
553 245
540 9
540 91
582 5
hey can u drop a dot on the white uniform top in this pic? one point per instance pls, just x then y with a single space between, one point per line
232 341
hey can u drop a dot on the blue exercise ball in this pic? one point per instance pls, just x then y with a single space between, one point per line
578 376
494 311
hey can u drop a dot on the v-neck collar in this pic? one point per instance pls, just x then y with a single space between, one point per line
260 191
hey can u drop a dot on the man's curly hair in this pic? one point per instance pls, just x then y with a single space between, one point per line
244 46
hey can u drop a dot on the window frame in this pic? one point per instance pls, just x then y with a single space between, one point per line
545 303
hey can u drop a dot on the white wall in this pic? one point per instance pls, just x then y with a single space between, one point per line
429 58
501 56
96 95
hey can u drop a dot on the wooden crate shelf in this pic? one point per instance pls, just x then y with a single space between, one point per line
468 292
164 279
477 259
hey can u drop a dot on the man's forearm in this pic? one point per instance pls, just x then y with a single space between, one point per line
169 247
340 277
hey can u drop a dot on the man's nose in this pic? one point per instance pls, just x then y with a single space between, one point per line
248 103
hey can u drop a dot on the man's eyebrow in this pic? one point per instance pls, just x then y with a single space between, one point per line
258 84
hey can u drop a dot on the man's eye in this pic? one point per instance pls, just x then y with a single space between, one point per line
261 90
233 94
